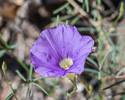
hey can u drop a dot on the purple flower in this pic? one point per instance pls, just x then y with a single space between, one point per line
60 50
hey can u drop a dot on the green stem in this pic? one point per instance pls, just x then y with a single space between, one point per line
74 90
118 18
72 78
100 47
23 65
27 91
13 90
9 84
19 61
67 97
2 40
84 83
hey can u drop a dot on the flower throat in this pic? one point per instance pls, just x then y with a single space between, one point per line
66 63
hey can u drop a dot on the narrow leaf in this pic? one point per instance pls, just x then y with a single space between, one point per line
15 45
116 34
31 91
61 8
69 8
117 83
61 90
65 17
57 20
66 22
22 91
10 96
2 52
74 20
21 76
42 89
91 70
92 61
107 53
121 71
120 27
30 73
87 5
87 29
38 78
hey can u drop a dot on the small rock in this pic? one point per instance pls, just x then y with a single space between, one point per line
17 2
5 33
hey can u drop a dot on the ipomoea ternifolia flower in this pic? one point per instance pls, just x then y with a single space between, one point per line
60 50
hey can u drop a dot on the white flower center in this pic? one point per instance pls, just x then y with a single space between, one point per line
66 63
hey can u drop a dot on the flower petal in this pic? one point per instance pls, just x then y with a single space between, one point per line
82 47
44 59
42 53
53 71
78 66
62 39
58 43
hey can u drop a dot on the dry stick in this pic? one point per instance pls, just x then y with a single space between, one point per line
83 13
123 76
84 83
92 65
97 67
110 5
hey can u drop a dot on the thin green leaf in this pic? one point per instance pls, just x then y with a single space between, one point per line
94 11
121 71
111 42
38 78
116 34
99 75
57 20
120 27
15 45
65 17
31 91
22 91
2 52
117 83
30 73
57 87
3 41
61 8
87 29
69 8
87 5
91 70
61 90
21 76
107 53
10 96
119 16
42 89
74 20
92 61
66 22
18 87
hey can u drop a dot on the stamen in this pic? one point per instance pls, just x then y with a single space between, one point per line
66 63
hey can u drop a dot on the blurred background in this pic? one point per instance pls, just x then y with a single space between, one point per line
21 22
